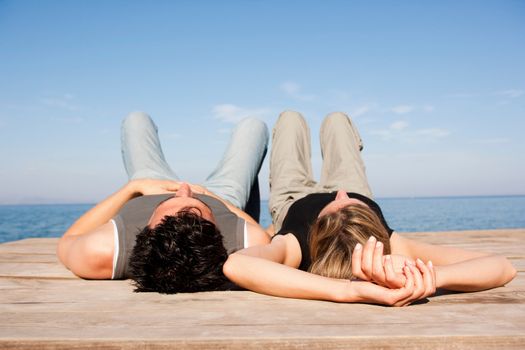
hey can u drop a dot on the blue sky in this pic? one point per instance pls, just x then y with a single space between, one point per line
437 89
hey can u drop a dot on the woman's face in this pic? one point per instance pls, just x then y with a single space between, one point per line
341 200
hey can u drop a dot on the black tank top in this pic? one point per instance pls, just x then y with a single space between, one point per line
304 212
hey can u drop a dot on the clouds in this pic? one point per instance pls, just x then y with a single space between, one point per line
443 172
63 101
433 133
360 110
400 130
230 113
233 113
506 96
511 93
294 90
405 109
172 136
399 125
493 141
290 88
402 109
508 93
69 120
64 108
377 114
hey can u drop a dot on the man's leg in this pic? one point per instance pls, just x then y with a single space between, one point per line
343 167
253 207
237 171
291 176
141 151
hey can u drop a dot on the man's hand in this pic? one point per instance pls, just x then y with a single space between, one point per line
153 186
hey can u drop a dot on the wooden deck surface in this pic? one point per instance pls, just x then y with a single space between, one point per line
42 305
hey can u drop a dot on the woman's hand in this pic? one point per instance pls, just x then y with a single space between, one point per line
424 280
369 264
420 283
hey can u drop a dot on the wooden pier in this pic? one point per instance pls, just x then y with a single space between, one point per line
44 306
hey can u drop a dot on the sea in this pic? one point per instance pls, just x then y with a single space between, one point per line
402 214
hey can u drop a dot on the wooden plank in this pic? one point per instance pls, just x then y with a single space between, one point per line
30 246
34 269
393 342
42 305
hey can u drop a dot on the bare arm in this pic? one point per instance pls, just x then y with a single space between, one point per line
256 235
109 207
103 211
268 270
87 246
270 230
240 213
458 269
89 255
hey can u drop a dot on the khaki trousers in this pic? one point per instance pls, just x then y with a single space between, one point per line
291 175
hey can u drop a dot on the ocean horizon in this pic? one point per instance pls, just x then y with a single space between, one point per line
403 214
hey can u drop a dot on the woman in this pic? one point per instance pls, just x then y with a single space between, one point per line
331 237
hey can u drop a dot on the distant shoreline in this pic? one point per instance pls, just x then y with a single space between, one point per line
403 214
266 200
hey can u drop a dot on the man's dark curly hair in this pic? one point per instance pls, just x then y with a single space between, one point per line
183 253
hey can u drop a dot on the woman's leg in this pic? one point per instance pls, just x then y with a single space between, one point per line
291 175
141 151
343 167
236 173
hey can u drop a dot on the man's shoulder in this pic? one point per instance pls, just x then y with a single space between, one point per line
215 205
152 198
89 255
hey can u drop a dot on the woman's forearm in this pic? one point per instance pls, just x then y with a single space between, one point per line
271 278
475 274
267 277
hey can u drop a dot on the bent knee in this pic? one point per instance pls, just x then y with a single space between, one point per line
290 116
337 117
254 126
290 121
136 120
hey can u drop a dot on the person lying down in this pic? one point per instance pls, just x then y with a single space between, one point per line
332 241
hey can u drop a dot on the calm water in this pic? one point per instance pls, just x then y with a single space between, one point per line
402 214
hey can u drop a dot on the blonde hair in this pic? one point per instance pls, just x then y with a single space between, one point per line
334 236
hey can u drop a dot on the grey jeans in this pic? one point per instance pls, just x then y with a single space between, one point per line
291 176
234 175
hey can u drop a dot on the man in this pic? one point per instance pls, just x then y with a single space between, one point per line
170 236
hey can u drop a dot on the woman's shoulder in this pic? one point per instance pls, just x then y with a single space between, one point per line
291 248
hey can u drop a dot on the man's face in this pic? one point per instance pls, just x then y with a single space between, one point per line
341 200
183 200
